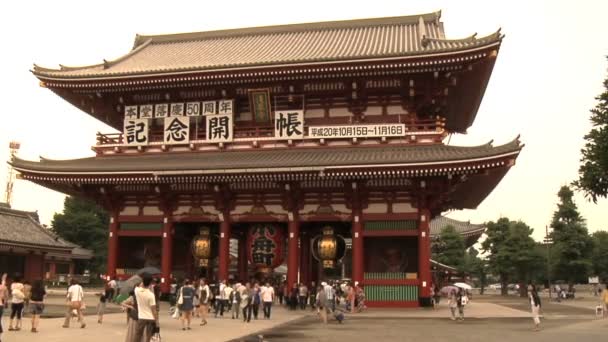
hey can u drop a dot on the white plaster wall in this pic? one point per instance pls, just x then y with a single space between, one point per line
130 210
314 113
404 208
276 209
341 208
244 116
337 112
152 211
376 208
374 110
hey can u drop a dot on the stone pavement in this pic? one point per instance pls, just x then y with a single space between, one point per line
114 328
472 310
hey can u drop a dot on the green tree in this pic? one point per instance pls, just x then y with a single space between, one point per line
84 223
512 253
599 257
476 267
497 233
593 171
520 249
572 245
450 248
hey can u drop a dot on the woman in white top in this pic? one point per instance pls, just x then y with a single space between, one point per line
3 299
17 300
535 306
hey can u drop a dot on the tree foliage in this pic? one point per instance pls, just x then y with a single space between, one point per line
84 223
599 256
476 267
450 248
593 171
572 245
511 252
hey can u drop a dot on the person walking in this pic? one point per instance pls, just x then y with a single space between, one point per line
350 297
604 298
3 300
535 306
322 302
75 297
38 293
204 296
130 304
147 317
267 294
330 294
280 293
27 292
302 296
246 299
235 301
105 296
17 300
187 304
312 296
220 299
293 296
455 301
256 300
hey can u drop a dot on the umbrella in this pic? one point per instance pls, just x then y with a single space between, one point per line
464 286
126 287
148 270
447 289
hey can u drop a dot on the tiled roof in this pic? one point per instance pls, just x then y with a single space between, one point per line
336 41
21 228
463 228
277 159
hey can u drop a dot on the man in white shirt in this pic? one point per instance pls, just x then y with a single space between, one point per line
112 285
75 298
147 316
330 294
220 301
267 293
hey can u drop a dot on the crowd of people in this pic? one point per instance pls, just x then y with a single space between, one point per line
189 300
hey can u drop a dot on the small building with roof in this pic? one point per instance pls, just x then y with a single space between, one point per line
31 250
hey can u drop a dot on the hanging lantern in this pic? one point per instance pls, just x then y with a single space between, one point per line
329 247
265 246
201 247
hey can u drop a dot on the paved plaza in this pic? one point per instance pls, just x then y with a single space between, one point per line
488 318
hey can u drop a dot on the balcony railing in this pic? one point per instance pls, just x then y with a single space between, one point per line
431 127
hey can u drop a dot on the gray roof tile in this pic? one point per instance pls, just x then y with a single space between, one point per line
21 228
413 155
279 45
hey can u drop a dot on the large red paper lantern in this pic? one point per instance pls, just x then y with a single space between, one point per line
265 246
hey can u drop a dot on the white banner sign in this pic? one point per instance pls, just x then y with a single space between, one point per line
136 132
289 124
220 128
356 131
177 130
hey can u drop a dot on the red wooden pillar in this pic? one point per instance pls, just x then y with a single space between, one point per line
293 252
357 235
224 252
243 276
305 259
112 247
167 254
424 257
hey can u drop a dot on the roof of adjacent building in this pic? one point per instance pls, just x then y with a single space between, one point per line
322 42
284 160
22 229
463 228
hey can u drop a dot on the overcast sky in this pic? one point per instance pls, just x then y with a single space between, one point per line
549 70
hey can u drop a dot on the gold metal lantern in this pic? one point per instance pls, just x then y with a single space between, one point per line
328 247
201 247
